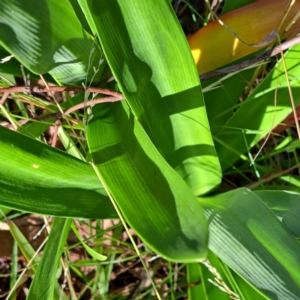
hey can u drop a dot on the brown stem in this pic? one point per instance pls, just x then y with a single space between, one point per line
93 102
59 115
4 97
36 89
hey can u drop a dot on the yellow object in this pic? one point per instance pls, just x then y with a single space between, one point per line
213 46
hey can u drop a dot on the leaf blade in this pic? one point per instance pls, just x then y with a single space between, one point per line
153 198
153 66
37 178
251 240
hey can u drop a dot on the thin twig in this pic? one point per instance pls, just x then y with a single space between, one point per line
59 115
36 89
245 64
92 102
4 97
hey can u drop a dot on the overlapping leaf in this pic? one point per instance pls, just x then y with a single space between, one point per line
46 36
247 236
152 63
286 206
265 108
153 198
37 178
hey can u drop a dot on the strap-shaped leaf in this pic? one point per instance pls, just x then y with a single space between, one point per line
151 60
153 198
44 280
37 178
248 237
46 36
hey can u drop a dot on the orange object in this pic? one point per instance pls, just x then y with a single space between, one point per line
213 46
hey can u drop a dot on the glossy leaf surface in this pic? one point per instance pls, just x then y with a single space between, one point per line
153 198
46 36
152 63
247 236
37 178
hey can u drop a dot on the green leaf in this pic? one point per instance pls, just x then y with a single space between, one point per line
44 280
153 198
286 206
247 236
196 289
152 63
46 36
37 178
30 255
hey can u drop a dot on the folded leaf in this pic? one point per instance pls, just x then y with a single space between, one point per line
248 237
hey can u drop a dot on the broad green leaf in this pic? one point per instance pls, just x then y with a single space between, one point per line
9 64
152 63
46 36
153 198
285 205
248 237
260 112
44 280
37 178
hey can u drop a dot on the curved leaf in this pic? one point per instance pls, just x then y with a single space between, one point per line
46 36
152 63
285 205
37 178
247 236
153 198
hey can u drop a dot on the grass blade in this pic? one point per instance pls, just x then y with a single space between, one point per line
44 280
